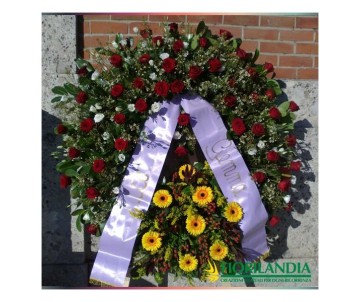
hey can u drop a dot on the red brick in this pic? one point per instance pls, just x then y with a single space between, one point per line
96 17
86 27
263 34
277 21
122 17
273 59
295 61
308 74
249 46
245 20
307 22
108 27
167 18
208 19
316 62
156 28
278 47
307 48
95 41
86 54
316 36
235 31
285 73
296 35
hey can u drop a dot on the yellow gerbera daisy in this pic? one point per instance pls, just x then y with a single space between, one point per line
203 195
188 263
233 212
195 224
151 241
219 250
185 170
162 198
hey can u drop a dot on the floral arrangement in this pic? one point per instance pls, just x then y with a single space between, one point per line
188 226
106 110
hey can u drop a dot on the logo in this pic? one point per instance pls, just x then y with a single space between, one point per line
212 274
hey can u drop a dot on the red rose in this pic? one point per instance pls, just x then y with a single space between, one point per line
82 71
86 125
81 97
161 88
226 34
255 97
91 229
230 100
214 65
285 170
252 72
183 119
61 129
91 193
116 60
119 118
64 181
268 67
293 106
258 129
231 83
270 94
274 113
73 152
173 27
144 59
178 45
138 83
259 177
274 220
158 40
272 156
291 140
169 65
145 33
238 126
117 90
284 185
98 165
141 105
177 86
194 72
181 151
203 42
242 54
295 165
121 144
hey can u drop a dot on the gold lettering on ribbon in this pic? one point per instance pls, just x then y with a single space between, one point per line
139 182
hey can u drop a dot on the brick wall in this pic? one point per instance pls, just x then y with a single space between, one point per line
290 42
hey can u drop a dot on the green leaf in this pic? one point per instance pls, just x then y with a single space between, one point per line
59 90
213 42
283 108
158 278
275 86
78 223
78 212
292 116
194 43
256 55
186 190
200 28
234 44
81 62
70 172
56 99
64 165
198 166
72 89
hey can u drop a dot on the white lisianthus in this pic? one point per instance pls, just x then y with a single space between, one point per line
131 107
186 44
164 56
98 106
98 117
177 135
123 42
95 75
151 62
114 44
65 137
293 179
155 107
189 36
135 30
86 217
261 144
281 150
287 198
116 190
143 44
152 76
186 53
252 151
121 157
117 109
106 136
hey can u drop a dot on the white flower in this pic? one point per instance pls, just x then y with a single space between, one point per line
117 109
164 56
64 98
106 136
123 42
281 150
155 107
275 149
135 30
121 157
177 135
261 144
152 76
86 217
186 44
293 179
252 151
189 36
131 107
98 117
65 137
287 198
92 108
95 75
143 44
98 106
151 62
116 190
127 60
114 44
186 53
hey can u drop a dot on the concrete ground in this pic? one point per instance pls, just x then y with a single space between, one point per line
67 255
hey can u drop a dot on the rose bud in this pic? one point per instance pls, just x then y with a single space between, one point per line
284 185
272 156
274 113
270 94
274 220
116 60
295 165
293 106
181 151
91 229
259 177
268 67
291 140
64 181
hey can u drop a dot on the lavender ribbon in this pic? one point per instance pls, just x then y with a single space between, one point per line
139 183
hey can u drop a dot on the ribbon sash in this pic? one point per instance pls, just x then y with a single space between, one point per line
139 183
